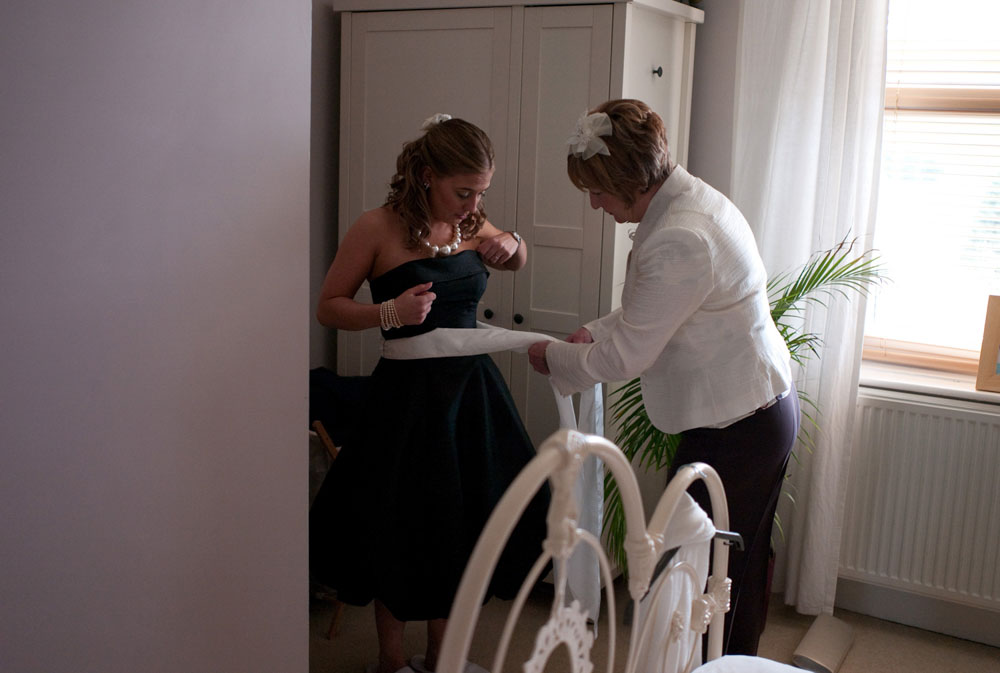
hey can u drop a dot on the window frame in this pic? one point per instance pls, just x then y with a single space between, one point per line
924 356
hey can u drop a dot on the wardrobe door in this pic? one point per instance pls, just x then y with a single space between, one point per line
565 70
398 69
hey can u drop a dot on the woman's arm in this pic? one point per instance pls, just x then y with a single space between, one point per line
351 266
501 249
671 276
601 327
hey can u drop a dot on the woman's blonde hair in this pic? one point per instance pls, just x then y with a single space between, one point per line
639 158
447 148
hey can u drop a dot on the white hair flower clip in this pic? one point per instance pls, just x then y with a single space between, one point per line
434 120
586 139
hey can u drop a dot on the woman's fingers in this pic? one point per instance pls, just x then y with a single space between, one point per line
536 356
494 251
415 303
581 336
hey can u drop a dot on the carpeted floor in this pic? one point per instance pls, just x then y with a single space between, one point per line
879 646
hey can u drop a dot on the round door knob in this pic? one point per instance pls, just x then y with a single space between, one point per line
488 313
658 71
518 318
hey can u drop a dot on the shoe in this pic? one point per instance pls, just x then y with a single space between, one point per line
417 664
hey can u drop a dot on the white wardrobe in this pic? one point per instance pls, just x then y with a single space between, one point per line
524 74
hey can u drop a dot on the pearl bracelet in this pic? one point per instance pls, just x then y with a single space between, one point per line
388 316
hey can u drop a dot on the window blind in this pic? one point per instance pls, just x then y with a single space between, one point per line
938 222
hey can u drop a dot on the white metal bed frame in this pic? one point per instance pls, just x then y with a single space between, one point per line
666 635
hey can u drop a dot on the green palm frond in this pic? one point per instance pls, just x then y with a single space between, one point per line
614 522
826 275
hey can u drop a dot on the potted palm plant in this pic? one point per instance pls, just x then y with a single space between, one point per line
827 274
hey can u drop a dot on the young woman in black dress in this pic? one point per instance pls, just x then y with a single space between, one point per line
439 439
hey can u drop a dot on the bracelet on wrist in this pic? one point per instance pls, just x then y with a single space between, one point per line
388 317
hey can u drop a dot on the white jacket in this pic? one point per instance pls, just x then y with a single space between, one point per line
695 322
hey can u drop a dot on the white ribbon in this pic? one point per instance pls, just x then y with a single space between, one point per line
586 139
583 567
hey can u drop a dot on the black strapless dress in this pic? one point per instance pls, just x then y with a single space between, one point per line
437 444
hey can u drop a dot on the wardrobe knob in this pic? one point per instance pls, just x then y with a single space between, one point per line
658 71
518 318
488 313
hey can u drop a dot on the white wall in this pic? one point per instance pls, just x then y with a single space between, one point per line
154 177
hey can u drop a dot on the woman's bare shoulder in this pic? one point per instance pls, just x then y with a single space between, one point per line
381 219
375 229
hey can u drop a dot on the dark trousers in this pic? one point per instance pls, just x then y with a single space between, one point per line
750 457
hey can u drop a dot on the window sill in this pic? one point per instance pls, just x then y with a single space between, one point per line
924 381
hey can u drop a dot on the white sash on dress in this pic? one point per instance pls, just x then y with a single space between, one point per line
582 569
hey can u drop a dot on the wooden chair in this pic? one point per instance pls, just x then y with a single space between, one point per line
322 453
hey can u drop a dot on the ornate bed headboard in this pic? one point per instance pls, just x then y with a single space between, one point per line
668 563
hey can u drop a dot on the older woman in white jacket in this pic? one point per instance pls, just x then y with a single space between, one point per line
695 326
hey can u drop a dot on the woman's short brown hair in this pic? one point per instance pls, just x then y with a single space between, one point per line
639 158
447 148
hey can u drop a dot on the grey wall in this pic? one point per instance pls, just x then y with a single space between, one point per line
325 150
712 109
154 177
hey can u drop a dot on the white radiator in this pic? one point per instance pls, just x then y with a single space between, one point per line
923 501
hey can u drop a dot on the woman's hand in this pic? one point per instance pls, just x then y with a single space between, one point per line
536 356
498 250
581 336
414 304
536 352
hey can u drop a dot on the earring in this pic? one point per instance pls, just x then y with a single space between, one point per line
427 185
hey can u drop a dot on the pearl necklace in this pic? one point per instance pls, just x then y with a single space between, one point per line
447 249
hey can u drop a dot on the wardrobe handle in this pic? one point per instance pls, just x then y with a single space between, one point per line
518 318
488 313
658 71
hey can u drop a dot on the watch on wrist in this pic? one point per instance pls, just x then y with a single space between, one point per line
517 237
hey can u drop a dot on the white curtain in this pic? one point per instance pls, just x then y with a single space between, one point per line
806 151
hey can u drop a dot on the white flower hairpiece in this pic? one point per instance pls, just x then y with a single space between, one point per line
586 139
434 120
